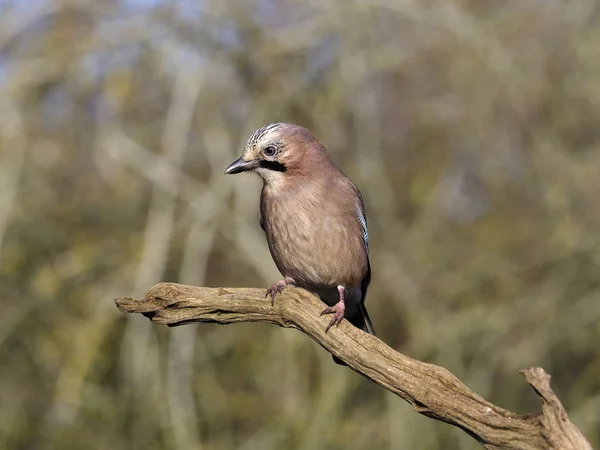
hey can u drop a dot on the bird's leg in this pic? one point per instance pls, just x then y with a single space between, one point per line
278 287
337 310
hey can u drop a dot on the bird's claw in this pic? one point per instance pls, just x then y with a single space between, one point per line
338 310
275 288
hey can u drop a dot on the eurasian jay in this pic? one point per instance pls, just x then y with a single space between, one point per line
314 220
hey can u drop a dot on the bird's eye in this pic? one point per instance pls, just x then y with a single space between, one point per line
270 150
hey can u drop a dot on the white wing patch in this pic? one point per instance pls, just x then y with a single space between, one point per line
363 223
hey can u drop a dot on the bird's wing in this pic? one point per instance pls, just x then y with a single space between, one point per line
362 219
360 213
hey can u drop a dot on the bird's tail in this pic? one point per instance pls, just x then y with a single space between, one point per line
362 320
367 325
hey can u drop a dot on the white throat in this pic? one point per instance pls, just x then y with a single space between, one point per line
272 178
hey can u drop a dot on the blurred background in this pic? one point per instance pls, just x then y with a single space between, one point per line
471 127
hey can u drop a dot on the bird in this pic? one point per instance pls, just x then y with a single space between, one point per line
314 220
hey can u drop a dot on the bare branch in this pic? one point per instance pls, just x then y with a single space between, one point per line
431 390
558 429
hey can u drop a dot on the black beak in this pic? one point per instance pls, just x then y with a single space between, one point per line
239 166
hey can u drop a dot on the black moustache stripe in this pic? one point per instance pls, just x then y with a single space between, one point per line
272 165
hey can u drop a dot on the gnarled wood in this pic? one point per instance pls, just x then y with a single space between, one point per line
431 390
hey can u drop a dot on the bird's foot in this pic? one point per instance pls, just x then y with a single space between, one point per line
338 310
278 287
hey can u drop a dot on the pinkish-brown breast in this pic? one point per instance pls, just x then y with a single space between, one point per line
313 232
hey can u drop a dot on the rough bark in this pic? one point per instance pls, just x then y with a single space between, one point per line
431 390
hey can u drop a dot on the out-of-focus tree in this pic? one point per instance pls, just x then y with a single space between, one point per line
470 127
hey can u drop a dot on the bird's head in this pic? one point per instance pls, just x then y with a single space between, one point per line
276 151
